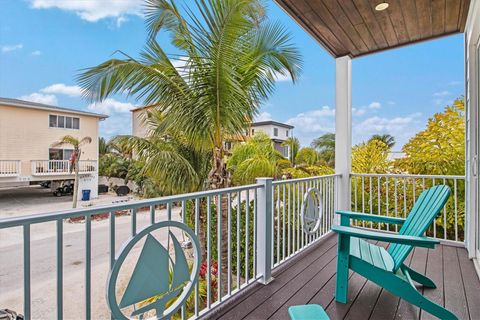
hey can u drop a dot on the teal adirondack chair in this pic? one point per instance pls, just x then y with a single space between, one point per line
386 268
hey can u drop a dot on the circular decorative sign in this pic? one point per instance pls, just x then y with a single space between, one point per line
311 211
158 279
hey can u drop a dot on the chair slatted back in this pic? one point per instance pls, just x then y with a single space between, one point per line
423 213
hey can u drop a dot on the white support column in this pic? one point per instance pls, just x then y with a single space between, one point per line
264 229
343 129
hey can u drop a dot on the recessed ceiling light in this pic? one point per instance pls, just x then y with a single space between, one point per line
381 6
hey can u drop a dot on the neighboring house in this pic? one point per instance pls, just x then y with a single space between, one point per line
277 131
393 155
27 131
139 128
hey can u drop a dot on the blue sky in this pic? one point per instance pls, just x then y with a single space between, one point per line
44 44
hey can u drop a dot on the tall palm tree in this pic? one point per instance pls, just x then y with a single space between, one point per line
230 56
294 145
325 146
386 138
229 63
75 158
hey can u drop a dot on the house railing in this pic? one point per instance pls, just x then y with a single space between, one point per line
61 167
9 168
395 194
258 229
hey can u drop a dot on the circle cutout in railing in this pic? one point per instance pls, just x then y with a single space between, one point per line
159 283
311 211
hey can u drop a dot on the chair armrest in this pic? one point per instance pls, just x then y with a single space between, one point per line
386 237
370 217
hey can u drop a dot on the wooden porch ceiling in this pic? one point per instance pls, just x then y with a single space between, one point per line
355 28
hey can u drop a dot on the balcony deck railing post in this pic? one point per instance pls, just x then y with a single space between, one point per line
264 231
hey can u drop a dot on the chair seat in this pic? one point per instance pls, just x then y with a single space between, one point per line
307 312
370 253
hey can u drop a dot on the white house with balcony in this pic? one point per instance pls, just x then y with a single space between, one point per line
27 132
277 131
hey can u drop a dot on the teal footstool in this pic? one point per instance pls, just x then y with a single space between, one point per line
307 312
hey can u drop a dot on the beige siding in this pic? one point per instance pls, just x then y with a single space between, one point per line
25 135
139 128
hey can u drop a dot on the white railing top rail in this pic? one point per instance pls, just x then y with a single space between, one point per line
402 175
287 181
81 212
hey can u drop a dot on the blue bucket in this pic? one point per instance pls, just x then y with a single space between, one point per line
85 195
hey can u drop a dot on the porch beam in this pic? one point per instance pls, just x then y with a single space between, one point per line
343 129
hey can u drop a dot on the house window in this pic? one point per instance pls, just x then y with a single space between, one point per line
53 121
253 132
64 122
59 154
286 133
275 132
61 122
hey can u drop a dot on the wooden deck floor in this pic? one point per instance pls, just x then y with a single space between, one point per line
310 278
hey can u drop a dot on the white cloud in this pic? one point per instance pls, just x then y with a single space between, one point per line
9 48
391 103
49 99
282 77
375 105
359 111
441 93
36 53
110 106
60 88
264 116
94 10
311 124
401 128
116 124
455 83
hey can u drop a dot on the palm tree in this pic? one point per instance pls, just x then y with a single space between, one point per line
230 56
325 146
256 158
294 145
75 158
103 146
229 66
386 138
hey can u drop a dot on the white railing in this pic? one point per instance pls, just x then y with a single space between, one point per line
395 194
60 167
258 230
288 237
9 168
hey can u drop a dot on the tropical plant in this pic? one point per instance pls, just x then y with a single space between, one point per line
75 158
103 146
306 157
230 56
388 139
325 145
294 145
370 157
440 148
255 158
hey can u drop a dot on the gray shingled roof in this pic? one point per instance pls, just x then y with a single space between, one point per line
35 105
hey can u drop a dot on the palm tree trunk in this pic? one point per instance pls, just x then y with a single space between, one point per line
75 185
218 180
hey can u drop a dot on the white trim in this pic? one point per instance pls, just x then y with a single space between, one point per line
343 128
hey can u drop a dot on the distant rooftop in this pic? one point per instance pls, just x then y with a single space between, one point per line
40 106
271 122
